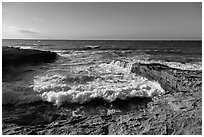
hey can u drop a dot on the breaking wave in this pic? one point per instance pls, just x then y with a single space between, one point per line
115 82
108 81
136 59
109 92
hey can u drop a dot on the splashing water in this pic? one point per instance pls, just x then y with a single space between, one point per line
115 81
109 81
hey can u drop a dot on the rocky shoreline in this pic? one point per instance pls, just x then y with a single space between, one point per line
177 112
14 57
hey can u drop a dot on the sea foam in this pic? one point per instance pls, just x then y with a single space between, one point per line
108 81
176 65
115 81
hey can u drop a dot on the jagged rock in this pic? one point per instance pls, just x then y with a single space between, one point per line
177 112
12 57
158 72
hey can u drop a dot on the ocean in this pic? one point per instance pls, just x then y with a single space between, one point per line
91 76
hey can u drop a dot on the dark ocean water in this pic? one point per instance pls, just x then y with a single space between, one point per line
87 70
180 51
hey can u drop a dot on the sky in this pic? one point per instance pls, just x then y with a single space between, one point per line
133 20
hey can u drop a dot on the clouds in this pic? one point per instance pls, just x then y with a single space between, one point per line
22 30
19 32
37 19
27 31
103 20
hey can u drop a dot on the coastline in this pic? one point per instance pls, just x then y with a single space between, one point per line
177 111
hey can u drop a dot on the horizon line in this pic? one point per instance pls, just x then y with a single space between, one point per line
93 39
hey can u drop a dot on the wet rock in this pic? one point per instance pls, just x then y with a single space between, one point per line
76 120
177 112
13 57
104 130
158 72
32 133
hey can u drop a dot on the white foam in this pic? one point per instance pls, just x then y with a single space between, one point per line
114 80
177 65
186 66
25 47
117 82
117 66
48 82
105 90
